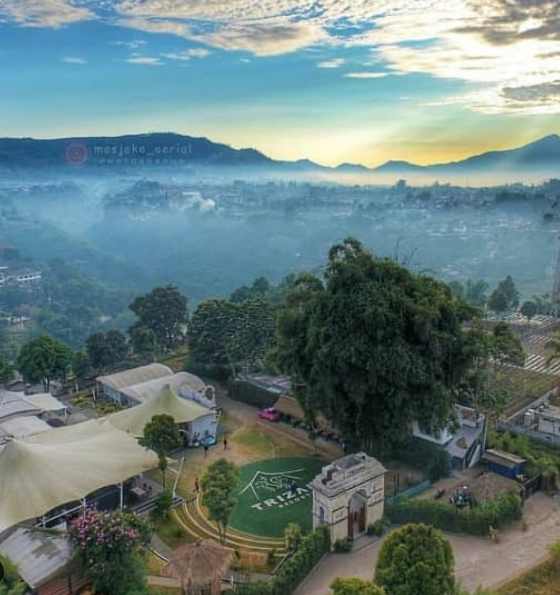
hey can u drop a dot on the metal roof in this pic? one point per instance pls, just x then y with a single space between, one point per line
147 390
127 378
21 427
39 555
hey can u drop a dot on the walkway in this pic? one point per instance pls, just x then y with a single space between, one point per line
478 562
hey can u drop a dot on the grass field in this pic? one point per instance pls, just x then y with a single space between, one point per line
266 500
541 580
524 387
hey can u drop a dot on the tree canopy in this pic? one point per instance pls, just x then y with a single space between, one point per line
106 349
109 547
505 297
161 435
218 486
165 312
234 334
416 560
43 360
373 346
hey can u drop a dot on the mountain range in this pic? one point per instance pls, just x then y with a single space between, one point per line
541 156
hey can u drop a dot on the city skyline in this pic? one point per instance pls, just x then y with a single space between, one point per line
363 82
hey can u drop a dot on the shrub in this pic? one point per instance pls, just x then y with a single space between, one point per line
163 504
416 560
377 528
497 513
343 546
311 549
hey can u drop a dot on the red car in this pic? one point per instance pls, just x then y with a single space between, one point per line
269 414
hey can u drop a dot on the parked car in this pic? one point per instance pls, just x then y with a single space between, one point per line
270 414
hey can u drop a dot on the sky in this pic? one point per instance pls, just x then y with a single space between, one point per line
360 81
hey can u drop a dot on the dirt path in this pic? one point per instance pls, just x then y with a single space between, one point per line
478 562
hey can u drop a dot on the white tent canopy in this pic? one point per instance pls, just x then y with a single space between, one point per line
63 465
167 402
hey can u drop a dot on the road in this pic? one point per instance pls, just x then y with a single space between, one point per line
478 562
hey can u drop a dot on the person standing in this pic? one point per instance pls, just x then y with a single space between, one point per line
225 443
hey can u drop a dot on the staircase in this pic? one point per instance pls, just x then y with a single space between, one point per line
191 517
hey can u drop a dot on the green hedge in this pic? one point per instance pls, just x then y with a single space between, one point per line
212 371
249 393
497 513
312 548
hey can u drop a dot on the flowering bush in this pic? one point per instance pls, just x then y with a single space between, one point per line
107 544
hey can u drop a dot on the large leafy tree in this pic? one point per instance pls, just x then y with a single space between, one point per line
44 359
416 560
143 340
225 333
218 488
355 586
373 346
161 435
165 312
106 349
505 297
211 329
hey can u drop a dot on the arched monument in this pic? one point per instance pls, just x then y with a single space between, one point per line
348 495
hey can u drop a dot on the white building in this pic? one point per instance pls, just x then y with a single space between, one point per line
349 495
156 387
461 440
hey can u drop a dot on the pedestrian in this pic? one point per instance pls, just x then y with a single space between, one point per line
196 485
205 450
225 443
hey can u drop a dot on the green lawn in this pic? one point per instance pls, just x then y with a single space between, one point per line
266 503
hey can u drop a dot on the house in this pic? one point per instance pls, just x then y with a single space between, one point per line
461 440
546 417
44 561
197 420
113 387
504 463
155 390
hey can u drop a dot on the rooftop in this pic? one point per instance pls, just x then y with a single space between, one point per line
38 555
127 378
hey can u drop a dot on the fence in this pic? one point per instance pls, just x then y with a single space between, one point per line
410 492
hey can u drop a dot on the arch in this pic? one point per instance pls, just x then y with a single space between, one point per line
357 514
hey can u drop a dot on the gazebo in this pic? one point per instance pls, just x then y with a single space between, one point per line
199 567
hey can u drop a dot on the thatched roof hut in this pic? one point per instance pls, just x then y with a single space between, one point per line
199 567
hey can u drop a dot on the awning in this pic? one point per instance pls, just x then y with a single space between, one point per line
166 402
63 465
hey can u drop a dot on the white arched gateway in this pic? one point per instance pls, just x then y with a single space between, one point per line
349 495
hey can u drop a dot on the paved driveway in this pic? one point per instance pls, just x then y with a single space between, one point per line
478 562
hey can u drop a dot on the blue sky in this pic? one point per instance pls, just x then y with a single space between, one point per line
332 80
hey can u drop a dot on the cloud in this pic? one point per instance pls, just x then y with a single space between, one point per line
144 60
74 60
366 75
44 13
131 45
334 63
187 55
490 45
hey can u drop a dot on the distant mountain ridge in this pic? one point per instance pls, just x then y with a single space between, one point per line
175 149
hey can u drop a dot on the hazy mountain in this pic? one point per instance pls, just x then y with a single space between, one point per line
185 151
541 155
